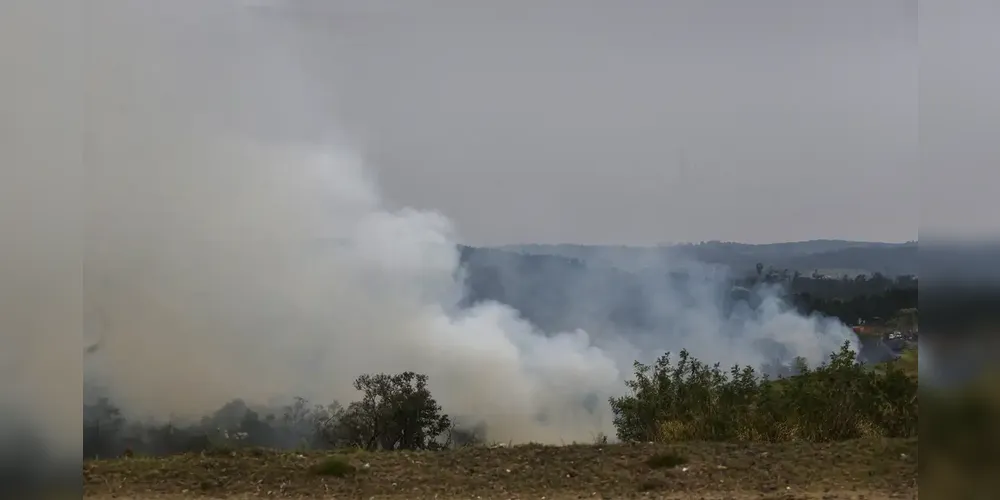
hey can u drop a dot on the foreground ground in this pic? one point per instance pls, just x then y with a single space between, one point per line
855 469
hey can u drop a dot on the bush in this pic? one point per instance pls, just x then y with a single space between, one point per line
333 466
686 400
690 400
396 412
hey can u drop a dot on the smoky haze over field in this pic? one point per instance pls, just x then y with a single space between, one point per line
226 260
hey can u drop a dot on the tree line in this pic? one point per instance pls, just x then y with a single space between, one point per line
395 412
869 299
547 289
666 401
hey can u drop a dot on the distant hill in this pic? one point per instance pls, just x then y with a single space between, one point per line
628 289
836 257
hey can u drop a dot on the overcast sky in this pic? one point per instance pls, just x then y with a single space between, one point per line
584 121
635 122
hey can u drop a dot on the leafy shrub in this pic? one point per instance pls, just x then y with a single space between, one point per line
396 412
669 401
690 400
333 466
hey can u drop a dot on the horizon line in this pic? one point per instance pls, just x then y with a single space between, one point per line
674 244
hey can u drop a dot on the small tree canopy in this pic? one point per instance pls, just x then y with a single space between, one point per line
396 412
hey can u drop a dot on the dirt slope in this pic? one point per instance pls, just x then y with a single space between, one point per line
855 469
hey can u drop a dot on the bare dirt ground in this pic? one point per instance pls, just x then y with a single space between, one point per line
870 469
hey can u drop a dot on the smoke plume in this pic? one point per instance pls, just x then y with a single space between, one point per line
236 246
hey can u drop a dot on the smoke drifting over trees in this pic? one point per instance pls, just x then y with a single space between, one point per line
237 247
225 260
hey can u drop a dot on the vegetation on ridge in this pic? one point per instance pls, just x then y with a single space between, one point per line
689 400
668 402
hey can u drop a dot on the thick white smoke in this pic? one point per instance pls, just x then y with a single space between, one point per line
285 276
235 249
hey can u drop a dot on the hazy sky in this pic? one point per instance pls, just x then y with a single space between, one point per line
585 121
634 122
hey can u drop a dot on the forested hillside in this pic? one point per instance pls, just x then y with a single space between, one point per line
563 293
825 256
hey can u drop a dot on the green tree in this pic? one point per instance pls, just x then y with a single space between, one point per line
395 412
840 399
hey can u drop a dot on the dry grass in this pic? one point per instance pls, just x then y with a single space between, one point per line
878 468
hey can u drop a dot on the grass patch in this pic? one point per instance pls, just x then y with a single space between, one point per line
909 362
666 460
333 466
